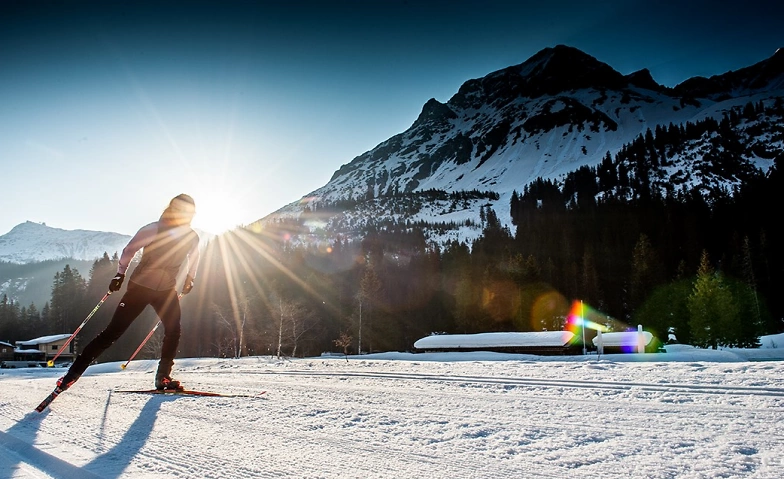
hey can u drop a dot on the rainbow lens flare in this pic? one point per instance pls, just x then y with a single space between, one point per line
579 317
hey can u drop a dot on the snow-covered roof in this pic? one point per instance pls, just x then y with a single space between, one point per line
43 340
5 344
28 351
495 340
623 338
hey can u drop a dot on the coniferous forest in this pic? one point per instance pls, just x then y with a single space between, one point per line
679 257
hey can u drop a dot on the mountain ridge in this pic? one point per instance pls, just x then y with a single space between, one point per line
560 110
35 242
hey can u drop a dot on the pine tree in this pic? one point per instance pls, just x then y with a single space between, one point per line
30 325
46 321
465 312
369 288
755 320
666 311
644 272
713 311
9 320
590 286
101 273
68 299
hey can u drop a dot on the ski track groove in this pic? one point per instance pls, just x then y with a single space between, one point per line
566 383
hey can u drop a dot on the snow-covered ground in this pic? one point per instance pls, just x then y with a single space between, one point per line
686 413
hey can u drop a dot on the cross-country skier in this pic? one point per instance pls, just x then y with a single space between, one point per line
167 244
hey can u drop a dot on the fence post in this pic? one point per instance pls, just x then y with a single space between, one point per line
640 339
599 342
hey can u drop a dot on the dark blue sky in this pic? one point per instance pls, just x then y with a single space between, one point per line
258 103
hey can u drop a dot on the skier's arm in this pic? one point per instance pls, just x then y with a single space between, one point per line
193 259
142 238
193 265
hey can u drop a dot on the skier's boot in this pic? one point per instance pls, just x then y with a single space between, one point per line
63 384
163 380
167 384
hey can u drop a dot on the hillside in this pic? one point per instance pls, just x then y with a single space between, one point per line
557 112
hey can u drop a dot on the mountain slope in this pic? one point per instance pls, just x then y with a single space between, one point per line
34 242
558 111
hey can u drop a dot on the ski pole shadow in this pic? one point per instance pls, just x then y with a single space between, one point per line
113 462
19 439
102 428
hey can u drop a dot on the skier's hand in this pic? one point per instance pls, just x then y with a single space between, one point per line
116 283
188 286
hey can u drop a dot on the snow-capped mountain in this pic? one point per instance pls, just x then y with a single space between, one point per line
558 111
33 242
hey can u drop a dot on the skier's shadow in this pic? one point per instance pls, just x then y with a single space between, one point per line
112 463
19 440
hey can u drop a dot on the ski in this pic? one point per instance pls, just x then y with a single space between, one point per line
188 392
46 402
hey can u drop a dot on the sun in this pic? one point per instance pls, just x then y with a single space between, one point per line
219 211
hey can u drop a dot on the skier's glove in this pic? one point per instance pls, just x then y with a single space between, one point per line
116 283
188 286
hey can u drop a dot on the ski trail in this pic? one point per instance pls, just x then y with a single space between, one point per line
570 383
376 420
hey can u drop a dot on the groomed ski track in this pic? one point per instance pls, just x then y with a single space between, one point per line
386 419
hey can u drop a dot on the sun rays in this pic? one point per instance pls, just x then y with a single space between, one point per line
244 263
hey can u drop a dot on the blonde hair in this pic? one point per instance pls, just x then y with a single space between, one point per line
173 213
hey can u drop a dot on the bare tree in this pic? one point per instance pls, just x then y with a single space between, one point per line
344 341
293 321
224 346
234 323
300 323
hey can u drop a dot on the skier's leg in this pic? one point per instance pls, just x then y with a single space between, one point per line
131 305
168 308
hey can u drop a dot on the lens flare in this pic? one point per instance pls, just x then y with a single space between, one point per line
579 317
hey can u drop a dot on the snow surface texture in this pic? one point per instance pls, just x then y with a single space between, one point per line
687 413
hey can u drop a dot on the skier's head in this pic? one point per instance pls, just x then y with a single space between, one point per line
180 210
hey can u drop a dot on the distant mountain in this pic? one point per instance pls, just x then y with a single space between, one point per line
31 242
31 253
559 111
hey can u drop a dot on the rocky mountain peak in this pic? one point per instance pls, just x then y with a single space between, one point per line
551 71
766 75
434 112
643 79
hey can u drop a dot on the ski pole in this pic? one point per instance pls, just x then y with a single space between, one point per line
149 335
50 363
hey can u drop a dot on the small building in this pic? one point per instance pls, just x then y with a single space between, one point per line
6 352
544 343
49 345
11 357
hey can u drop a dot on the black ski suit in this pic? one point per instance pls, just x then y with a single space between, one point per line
153 282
